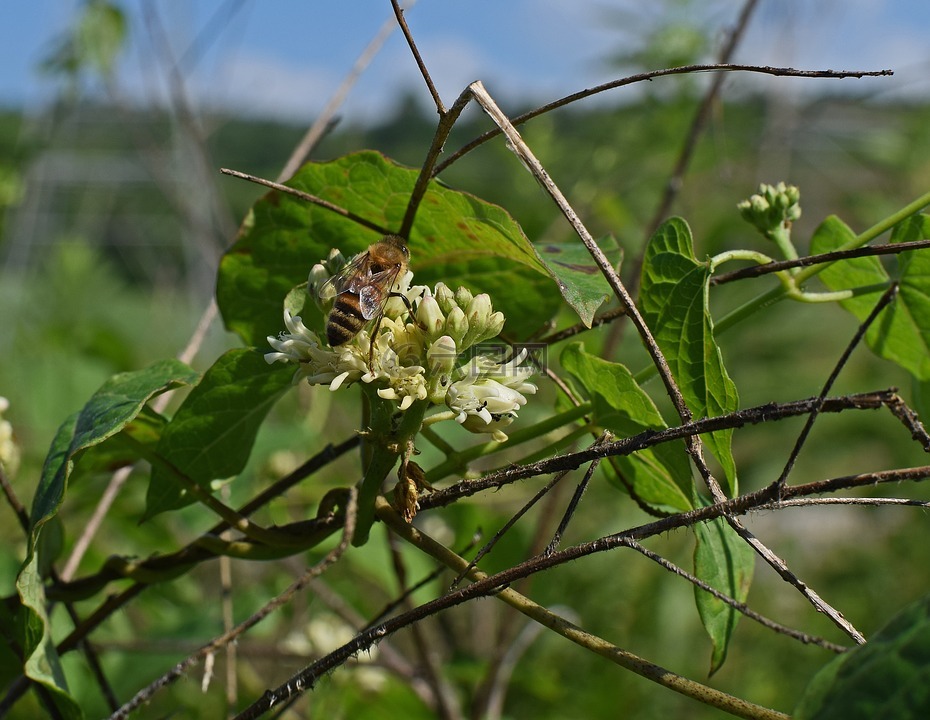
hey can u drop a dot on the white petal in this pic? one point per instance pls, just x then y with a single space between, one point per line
338 380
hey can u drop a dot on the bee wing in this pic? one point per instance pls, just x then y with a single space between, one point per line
374 291
371 301
348 277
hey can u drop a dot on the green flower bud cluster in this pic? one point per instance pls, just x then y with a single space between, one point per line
773 209
467 319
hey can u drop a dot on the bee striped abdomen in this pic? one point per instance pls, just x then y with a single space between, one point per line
345 319
362 288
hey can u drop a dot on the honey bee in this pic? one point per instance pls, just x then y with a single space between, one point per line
362 288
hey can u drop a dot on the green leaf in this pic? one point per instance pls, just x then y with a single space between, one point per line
40 661
675 305
114 452
212 432
724 561
42 664
831 234
583 284
457 238
888 677
659 476
901 333
118 401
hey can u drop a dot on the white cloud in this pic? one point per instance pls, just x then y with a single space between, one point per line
263 86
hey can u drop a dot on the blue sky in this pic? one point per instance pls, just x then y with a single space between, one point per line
285 58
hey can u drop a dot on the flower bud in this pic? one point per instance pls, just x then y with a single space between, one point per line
463 297
494 327
430 317
456 325
493 427
441 358
445 297
478 313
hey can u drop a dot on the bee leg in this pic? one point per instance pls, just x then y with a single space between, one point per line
404 298
410 309
371 342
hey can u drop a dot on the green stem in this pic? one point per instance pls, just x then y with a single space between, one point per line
752 255
458 461
433 438
873 232
781 236
382 446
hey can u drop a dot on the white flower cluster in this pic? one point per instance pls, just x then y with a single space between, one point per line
9 450
416 358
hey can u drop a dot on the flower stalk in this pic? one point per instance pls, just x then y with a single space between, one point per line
382 444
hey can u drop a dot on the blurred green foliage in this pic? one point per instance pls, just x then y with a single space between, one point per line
113 294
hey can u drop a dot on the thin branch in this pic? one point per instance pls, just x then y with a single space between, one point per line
309 198
90 528
526 156
821 259
810 501
497 585
608 317
402 22
409 591
735 604
218 643
883 302
674 183
573 503
648 76
323 458
769 412
446 121
910 420
326 119
766 553
19 510
781 567
516 143
489 545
